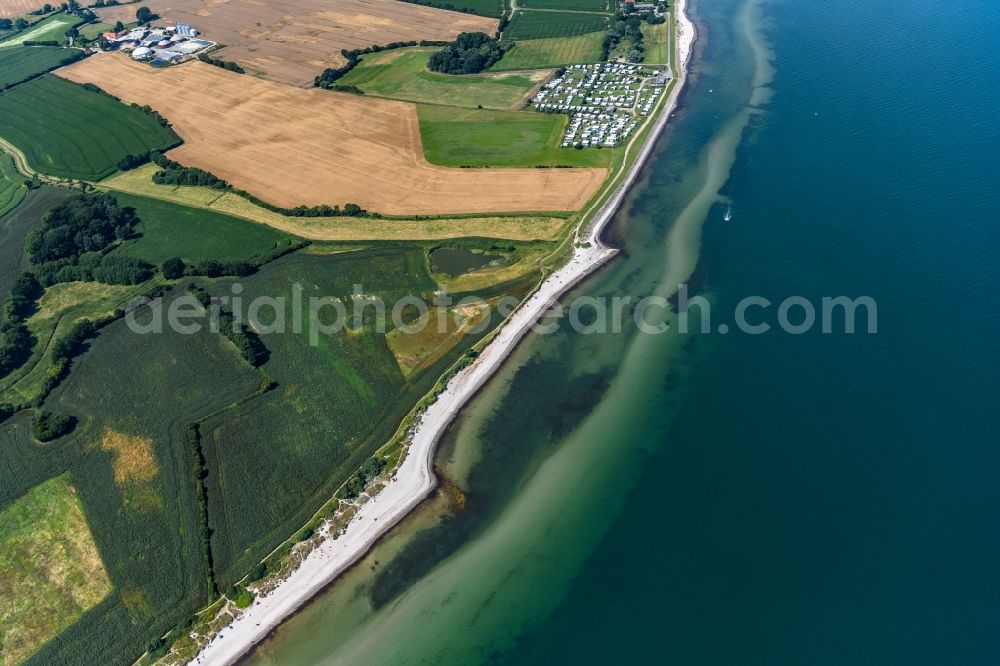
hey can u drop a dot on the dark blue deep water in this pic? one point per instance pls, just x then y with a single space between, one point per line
831 499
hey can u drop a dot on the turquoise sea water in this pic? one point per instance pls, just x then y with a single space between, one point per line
739 499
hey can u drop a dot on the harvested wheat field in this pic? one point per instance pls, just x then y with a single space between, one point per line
294 40
292 146
12 8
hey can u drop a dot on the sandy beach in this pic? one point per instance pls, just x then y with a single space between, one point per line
415 478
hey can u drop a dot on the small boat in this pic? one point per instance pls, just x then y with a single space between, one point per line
729 214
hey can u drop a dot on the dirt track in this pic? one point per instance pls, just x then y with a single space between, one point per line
294 40
292 147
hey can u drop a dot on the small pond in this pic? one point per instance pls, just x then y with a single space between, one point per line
455 260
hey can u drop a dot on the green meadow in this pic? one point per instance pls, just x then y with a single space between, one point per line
69 131
41 532
403 74
194 234
94 30
475 138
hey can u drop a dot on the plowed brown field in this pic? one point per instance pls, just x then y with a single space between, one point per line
293 146
294 40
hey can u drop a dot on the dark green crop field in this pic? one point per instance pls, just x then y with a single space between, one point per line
580 5
194 234
18 63
540 25
12 187
16 224
66 130
336 402
493 8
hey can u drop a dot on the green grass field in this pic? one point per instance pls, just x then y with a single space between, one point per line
571 5
172 230
403 74
552 52
541 25
22 62
68 131
493 8
469 137
655 39
92 31
53 28
12 187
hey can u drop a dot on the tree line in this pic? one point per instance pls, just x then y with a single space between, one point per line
248 343
470 53
75 238
16 340
224 64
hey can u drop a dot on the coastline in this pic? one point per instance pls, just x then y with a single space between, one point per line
415 477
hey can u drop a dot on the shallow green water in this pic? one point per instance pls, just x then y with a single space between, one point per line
742 499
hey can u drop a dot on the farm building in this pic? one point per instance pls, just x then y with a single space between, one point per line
167 46
169 57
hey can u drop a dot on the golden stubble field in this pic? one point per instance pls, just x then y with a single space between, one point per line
292 146
294 40
12 8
